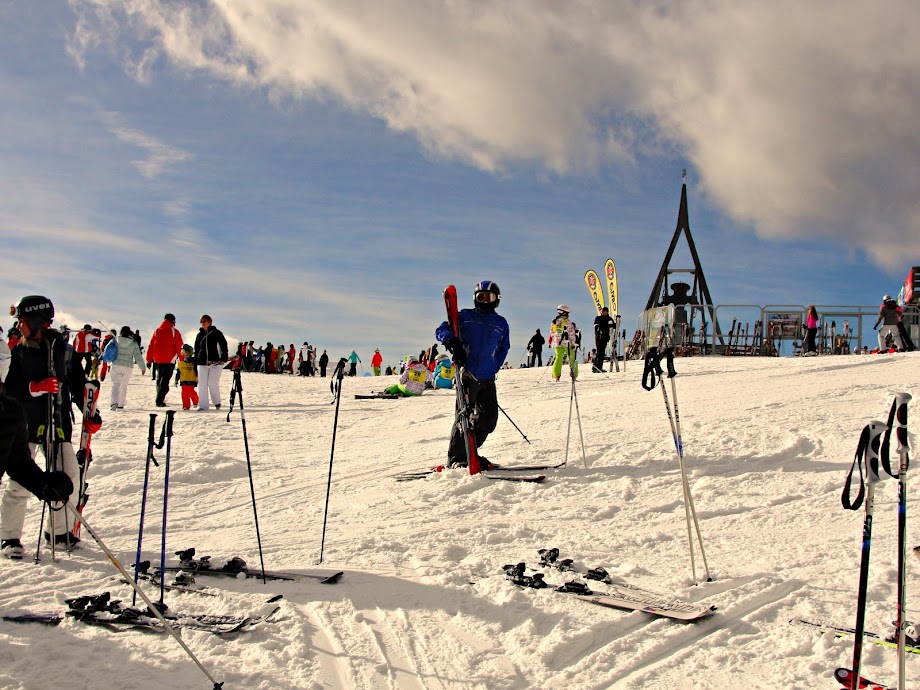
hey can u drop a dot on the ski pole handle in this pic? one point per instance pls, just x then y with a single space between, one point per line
876 430
169 422
900 422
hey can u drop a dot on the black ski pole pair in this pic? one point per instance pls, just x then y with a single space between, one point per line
166 434
652 376
872 453
237 391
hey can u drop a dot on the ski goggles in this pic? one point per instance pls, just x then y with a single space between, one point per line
485 297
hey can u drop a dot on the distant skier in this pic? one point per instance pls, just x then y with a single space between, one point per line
479 349
564 340
164 349
603 327
811 331
889 314
535 349
376 362
323 363
353 360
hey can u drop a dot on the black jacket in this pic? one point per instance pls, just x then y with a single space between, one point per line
15 456
29 363
602 327
536 343
210 346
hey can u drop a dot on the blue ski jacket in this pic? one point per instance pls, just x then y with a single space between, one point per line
486 339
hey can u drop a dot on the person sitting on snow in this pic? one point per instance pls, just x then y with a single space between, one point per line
412 381
444 372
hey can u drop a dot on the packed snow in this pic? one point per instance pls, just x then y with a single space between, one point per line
423 602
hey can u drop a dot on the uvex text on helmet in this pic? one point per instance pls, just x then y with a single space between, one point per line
33 307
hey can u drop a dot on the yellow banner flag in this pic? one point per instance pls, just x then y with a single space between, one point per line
594 287
610 270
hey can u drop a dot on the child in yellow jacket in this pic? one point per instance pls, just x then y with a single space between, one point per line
188 378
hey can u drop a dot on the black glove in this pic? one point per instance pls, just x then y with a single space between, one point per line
455 346
57 486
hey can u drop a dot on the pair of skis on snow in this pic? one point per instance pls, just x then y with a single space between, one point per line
102 610
613 594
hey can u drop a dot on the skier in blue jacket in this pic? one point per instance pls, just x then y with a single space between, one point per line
479 349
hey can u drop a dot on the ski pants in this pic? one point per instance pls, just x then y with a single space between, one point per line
601 349
209 382
16 497
164 374
810 344
483 405
120 377
535 359
561 354
895 334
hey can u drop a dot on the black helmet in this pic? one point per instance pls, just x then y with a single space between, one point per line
486 295
34 310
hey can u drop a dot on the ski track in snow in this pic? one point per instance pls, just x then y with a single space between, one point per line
424 603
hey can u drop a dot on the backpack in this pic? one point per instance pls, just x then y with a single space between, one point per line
110 352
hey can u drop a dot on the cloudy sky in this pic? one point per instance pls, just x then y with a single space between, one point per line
307 170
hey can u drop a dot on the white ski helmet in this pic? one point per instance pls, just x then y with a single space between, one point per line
562 309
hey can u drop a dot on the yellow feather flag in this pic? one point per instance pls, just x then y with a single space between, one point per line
610 270
594 287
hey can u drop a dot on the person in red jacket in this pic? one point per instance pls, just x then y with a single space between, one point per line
83 348
164 348
376 362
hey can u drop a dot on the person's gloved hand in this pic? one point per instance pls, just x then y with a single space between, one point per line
48 385
92 424
57 486
455 347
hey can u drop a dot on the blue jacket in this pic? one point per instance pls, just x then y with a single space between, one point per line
485 338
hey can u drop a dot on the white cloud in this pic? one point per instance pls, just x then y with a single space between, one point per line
160 155
799 117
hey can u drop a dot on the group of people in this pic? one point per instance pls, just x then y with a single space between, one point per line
272 359
892 336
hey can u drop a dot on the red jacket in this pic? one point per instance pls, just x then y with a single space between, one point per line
376 360
83 342
165 344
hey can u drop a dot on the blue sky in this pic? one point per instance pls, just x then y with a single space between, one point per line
319 171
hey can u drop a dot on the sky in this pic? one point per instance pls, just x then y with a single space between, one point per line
319 171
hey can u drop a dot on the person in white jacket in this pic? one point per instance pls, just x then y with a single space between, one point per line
129 354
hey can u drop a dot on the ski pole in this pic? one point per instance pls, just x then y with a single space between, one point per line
900 421
339 375
867 453
573 401
137 590
238 389
513 424
140 530
168 431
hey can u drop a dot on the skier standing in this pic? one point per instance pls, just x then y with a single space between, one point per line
323 363
535 348
479 349
353 360
15 454
889 314
376 362
164 349
211 355
564 339
304 358
29 381
83 348
603 327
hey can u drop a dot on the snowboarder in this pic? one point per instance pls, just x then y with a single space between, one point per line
29 381
479 349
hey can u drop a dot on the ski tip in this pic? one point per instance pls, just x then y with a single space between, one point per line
332 579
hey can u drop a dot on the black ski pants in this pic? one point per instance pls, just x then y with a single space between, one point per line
601 346
483 406
164 374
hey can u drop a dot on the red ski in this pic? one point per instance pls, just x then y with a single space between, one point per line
453 318
84 454
845 677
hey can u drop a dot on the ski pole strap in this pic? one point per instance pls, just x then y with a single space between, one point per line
652 372
886 442
165 431
867 455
